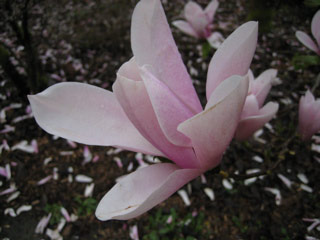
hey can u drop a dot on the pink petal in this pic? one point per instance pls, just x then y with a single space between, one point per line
215 40
44 180
251 107
65 213
250 124
262 85
196 17
212 130
88 115
185 27
233 57
142 190
315 27
152 43
43 224
134 99
134 235
306 40
309 116
169 109
3 172
211 9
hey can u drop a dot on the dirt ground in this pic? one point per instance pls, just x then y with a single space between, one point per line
96 36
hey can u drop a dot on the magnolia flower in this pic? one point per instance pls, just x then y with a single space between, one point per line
199 21
306 40
154 109
254 115
309 116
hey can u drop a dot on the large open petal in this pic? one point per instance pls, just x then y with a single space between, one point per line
306 40
212 130
315 27
152 44
185 27
233 57
263 84
249 125
142 190
211 9
169 109
135 101
88 115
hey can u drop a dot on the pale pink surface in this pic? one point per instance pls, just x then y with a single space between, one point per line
198 21
197 18
309 116
233 57
254 115
152 44
211 9
223 109
185 27
315 27
261 86
306 40
169 109
250 124
154 109
142 190
134 99
87 114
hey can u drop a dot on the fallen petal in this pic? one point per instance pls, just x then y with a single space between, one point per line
184 195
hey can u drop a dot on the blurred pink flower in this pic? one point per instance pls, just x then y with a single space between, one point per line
154 109
254 114
309 116
198 21
306 40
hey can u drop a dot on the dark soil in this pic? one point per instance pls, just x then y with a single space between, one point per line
99 33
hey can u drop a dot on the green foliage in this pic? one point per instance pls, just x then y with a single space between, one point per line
312 3
262 12
189 227
55 210
304 61
243 228
206 49
285 234
86 206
